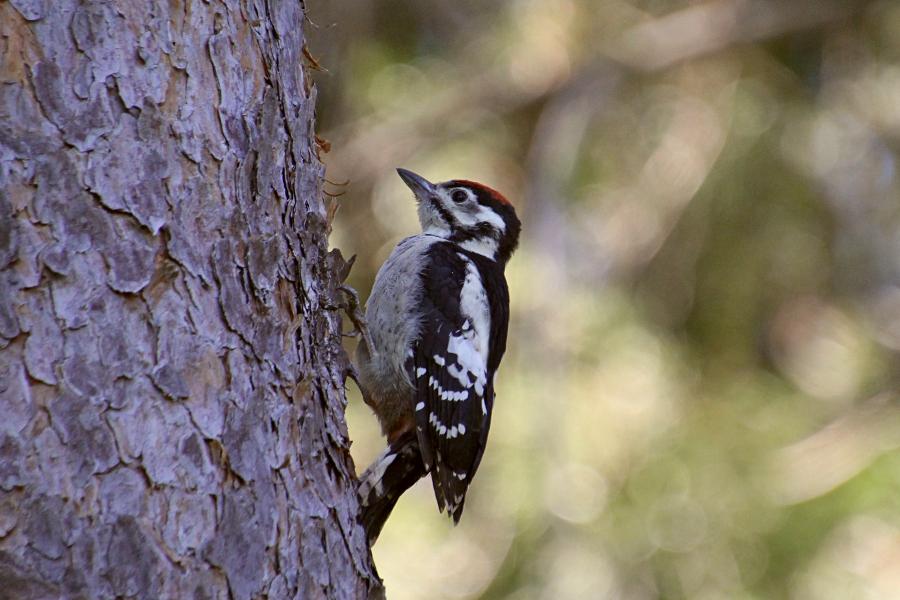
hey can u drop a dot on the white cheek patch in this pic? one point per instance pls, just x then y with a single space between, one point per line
487 215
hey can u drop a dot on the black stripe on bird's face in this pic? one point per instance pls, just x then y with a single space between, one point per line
478 231
445 215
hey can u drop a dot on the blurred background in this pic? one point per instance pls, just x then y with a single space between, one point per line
699 397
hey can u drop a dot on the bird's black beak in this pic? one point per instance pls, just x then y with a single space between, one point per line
421 187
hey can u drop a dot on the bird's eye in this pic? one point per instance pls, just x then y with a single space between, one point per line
459 196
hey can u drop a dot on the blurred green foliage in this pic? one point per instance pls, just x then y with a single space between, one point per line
699 397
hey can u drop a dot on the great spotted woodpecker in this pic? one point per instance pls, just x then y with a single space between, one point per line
437 318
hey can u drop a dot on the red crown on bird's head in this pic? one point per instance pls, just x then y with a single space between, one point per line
488 191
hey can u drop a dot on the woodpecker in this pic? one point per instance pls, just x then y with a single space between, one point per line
437 319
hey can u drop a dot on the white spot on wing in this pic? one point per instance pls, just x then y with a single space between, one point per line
474 305
420 406
442 429
459 374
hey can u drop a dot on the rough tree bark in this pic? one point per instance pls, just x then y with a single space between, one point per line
171 373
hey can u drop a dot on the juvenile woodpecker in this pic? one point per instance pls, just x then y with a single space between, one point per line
437 318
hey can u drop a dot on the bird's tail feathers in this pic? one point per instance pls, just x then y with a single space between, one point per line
393 472
450 488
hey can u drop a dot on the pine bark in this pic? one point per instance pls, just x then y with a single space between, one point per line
171 370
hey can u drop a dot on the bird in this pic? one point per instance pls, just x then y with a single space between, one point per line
437 318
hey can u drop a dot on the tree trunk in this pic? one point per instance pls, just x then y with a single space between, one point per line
171 370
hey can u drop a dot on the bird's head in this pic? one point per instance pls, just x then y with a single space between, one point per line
473 215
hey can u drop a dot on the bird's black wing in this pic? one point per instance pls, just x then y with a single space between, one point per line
494 282
452 367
